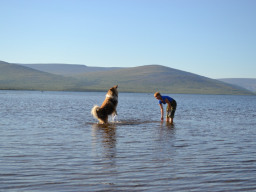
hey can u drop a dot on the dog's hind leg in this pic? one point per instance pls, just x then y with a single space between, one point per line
104 119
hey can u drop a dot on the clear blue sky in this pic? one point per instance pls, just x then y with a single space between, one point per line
212 38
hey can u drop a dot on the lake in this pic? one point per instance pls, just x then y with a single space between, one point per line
50 142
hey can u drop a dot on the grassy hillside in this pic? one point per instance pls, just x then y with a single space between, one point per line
153 78
247 83
19 77
148 78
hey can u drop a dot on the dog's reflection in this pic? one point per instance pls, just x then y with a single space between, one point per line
105 135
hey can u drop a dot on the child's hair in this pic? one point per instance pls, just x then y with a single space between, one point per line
156 94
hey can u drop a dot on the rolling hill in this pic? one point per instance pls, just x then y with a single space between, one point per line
149 78
18 77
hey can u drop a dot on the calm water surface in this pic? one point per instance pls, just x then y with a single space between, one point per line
50 142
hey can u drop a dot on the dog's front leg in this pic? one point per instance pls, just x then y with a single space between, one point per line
114 115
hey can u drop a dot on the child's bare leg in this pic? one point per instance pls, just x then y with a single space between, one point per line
171 120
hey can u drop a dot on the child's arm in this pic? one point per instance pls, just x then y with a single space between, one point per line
162 112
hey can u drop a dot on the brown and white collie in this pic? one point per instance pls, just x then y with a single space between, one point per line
108 107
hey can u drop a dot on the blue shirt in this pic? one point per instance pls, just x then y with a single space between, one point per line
165 97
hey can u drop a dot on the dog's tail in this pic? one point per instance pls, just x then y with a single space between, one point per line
94 111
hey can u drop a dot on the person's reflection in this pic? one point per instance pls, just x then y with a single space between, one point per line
165 142
170 128
106 135
166 132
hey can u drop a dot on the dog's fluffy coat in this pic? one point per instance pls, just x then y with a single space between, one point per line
108 107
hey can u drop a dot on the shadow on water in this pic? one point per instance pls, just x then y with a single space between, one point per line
126 122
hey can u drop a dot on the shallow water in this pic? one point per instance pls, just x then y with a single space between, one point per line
50 142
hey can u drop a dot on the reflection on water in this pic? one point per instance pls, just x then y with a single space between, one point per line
106 136
50 142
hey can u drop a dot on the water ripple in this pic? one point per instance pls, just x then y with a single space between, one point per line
50 142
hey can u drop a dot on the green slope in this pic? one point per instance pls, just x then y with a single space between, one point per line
153 78
14 76
148 78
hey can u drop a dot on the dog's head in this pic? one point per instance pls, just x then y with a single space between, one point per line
113 91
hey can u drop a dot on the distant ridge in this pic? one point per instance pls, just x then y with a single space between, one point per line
247 83
148 78
67 69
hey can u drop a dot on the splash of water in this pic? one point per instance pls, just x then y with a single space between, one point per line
114 118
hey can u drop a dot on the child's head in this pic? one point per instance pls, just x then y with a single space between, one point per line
157 95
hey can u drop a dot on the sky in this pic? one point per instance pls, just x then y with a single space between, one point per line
212 38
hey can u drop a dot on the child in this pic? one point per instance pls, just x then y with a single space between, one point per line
170 109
